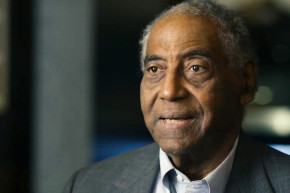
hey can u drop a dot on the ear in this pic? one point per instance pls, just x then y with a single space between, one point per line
249 78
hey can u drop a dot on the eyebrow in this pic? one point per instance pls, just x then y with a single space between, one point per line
195 52
192 52
150 58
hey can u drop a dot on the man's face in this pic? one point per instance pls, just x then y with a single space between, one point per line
190 97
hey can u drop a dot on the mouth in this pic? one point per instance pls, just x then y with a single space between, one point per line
176 120
176 116
175 124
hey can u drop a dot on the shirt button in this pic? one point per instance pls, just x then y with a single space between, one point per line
179 178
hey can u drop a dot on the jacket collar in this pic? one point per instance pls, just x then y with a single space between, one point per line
248 173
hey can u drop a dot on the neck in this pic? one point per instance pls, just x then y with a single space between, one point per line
197 167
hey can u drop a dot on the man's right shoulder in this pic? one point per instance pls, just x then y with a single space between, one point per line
122 166
141 154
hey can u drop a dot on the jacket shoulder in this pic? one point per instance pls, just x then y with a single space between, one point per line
127 159
277 167
121 167
258 168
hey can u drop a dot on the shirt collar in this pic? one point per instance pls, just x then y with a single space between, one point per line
165 164
217 179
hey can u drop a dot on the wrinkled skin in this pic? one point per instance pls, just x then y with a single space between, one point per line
191 98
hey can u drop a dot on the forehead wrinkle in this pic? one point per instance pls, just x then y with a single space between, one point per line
181 41
181 50
173 35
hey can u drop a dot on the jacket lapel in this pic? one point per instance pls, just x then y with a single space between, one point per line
139 176
248 173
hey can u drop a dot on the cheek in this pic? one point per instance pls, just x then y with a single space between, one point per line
148 97
146 101
142 98
207 95
220 104
213 97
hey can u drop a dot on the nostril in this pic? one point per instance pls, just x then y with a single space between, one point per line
173 92
173 87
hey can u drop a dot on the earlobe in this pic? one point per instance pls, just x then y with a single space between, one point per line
250 83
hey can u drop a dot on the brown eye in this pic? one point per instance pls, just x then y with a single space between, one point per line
196 68
153 69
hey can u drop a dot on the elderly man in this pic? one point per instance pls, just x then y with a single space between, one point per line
199 73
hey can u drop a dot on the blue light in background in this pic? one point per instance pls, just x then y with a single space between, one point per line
281 147
107 146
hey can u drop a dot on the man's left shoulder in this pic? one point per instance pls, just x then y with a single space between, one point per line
277 167
268 154
276 160
259 168
271 153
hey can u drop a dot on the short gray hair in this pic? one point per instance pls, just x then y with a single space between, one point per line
232 30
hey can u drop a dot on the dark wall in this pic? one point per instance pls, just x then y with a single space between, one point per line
15 122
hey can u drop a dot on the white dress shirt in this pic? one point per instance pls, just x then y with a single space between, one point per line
171 180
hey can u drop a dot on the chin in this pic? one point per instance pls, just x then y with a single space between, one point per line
173 146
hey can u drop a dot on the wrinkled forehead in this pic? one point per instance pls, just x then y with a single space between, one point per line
181 31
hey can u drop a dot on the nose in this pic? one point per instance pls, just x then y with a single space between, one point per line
172 87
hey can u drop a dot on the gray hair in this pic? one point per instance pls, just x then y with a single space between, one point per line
232 30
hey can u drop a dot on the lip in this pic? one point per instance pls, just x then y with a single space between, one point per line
176 120
175 124
176 115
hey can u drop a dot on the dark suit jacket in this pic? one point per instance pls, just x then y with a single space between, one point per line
257 169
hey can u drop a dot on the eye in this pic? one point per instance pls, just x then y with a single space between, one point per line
196 68
153 69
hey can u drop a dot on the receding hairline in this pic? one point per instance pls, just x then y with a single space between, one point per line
170 15
231 29
182 9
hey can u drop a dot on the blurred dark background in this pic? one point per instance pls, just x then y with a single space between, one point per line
69 90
